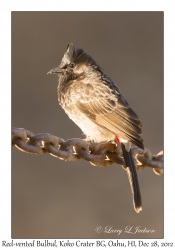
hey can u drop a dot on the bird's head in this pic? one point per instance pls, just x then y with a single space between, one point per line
74 63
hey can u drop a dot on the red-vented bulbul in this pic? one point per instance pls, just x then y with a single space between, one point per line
96 105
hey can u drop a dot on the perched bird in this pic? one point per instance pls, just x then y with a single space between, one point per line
96 105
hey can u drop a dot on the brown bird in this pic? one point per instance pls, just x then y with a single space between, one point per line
96 105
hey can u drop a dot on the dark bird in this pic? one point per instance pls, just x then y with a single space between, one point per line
96 105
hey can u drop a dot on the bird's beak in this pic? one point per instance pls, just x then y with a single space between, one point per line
55 71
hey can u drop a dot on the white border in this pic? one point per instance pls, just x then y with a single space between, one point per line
5 94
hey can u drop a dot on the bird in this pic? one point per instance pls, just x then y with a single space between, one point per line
96 105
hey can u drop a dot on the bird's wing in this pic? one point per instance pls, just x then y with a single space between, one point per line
108 109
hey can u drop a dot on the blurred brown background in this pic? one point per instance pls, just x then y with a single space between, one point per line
56 199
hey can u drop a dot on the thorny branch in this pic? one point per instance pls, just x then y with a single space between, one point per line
101 155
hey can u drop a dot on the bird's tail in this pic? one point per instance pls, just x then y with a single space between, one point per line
132 175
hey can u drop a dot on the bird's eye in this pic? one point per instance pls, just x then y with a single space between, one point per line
72 65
